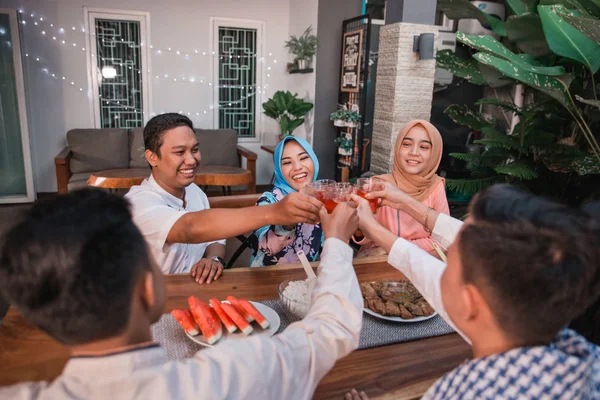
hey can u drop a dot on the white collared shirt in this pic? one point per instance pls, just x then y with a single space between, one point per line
286 366
424 270
155 211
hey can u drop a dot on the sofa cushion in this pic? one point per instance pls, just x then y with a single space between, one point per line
218 147
78 181
98 149
136 149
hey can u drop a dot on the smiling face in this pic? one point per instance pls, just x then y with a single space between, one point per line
297 167
415 151
175 168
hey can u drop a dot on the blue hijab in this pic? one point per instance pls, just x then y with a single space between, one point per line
280 182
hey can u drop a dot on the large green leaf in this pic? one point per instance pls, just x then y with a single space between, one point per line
518 169
555 87
294 124
463 115
300 108
517 7
490 45
526 32
463 68
589 26
464 9
503 105
494 78
569 4
567 41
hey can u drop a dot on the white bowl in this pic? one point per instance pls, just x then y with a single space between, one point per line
298 308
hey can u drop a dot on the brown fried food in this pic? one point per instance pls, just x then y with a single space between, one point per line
376 304
424 305
392 309
414 309
367 290
404 313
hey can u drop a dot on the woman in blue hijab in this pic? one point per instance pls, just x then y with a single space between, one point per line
296 166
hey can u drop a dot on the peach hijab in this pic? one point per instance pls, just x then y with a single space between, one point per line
417 186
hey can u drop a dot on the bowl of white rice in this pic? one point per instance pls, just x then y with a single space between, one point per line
295 296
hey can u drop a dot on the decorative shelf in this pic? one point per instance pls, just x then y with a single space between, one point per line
302 71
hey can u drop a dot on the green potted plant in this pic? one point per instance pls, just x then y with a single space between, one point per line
288 110
551 54
343 117
303 48
344 144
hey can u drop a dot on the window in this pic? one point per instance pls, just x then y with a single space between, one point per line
119 67
237 71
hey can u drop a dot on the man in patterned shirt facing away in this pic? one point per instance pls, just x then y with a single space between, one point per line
519 270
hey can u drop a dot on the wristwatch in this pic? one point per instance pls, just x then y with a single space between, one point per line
217 258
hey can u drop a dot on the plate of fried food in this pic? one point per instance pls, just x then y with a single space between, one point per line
396 301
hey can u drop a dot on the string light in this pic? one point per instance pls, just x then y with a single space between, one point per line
191 80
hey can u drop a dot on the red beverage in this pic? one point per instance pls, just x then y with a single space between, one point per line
329 205
372 202
320 195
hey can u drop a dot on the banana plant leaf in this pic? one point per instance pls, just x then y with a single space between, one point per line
464 9
525 30
567 41
463 115
589 26
554 86
518 169
299 108
488 44
595 103
463 68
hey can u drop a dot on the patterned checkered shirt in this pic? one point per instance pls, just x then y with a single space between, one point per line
568 368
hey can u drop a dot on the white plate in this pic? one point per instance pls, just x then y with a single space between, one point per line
398 319
266 311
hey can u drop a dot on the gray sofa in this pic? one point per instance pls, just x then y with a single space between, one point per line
94 150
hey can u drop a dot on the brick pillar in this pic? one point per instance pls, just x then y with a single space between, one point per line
404 89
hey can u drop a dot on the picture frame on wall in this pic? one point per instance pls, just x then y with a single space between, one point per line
351 59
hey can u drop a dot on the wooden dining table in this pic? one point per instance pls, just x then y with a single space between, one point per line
398 371
206 175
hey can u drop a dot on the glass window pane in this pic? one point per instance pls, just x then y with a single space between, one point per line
119 73
12 165
237 80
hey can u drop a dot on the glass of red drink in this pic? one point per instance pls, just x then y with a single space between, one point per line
339 193
368 185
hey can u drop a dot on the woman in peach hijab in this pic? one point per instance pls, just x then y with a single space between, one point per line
417 155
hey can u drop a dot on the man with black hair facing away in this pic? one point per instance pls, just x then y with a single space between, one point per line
173 213
519 270
78 268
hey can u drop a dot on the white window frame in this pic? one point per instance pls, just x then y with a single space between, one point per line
21 104
90 14
260 26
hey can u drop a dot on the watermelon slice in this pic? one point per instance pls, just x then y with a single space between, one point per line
237 318
235 302
216 305
184 317
249 307
207 319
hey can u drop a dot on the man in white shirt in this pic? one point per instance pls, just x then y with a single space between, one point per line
173 213
519 270
78 268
